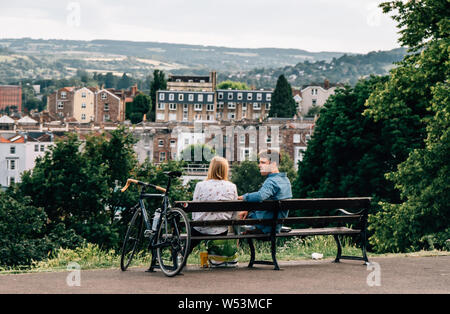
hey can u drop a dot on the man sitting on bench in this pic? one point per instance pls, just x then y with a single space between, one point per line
276 187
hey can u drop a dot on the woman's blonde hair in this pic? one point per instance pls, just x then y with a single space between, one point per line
218 169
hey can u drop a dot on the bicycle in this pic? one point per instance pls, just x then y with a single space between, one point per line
169 234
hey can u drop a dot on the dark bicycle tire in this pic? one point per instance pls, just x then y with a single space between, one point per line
133 238
172 258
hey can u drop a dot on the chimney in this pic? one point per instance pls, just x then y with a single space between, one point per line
326 84
134 90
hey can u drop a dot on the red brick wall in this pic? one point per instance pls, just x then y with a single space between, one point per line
10 96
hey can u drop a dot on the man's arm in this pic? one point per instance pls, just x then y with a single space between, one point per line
267 190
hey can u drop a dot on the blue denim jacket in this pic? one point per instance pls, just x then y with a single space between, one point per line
275 187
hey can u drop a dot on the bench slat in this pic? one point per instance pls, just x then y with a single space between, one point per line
289 204
287 221
294 232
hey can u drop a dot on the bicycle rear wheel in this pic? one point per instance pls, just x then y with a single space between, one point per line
133 240
174 237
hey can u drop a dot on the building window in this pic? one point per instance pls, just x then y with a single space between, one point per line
161 106
230 96
161 96
180 97
185 107
172 117
256 106
210 107
239 96
249 96
191 97
268 139
12 165
160 143
231 115
83 105
36 148
220 105
242 139
220 96
200 97
12 149
198 107
42 148
173 143
210 98
231 105
162 156
106 118
185 116
160 116
12 180
314 91
244 106
60 105
296 138
268 97
63 95
267 106
259 96
314 102
106 107
172 106
256 116
252 139
186 141
83 94
171 97
104 96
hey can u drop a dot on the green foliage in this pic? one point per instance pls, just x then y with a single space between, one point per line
232 85
283 104
348 152
135 110
159 82
198 154
247 177
124 82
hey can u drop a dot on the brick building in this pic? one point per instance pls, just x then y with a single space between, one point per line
10 95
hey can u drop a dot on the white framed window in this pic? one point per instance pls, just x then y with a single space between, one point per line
83 116
242 139
296 138
314 91
220 105
256 106
239 96
210 107
104 96
252 139
191 97
12 164
42 148
63 95
198 107
268 139
60 105
83 105
172 106
200 97
180 97
231 105
160 143
161 106
269 97
162 156
171 97
244 106
231 115
83 95
161 96
249 96
106 117
173 143
12 180
230 96
172 117
267 106
160 116
259 96
220 96
106 107
12 150
210 98
314 102
185 107
36 148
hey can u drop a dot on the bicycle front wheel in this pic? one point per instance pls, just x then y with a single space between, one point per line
133 240
174 237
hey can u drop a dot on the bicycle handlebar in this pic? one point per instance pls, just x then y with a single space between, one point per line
129 181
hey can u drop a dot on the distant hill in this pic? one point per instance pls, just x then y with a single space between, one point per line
38 58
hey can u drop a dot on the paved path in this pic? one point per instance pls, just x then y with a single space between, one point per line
397 275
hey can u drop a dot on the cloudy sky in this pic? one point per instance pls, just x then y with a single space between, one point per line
313 25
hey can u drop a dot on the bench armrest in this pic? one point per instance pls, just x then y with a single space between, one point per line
349 213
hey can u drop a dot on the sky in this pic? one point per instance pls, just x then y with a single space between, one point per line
357 26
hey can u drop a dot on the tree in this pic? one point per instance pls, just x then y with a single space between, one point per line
159 82
415 103
283 104
124 82
247 177
110 80
232 85
135 110
198 154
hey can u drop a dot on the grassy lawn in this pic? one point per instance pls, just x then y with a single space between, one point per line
92 257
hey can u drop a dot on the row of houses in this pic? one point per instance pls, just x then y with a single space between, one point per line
89 104
161 142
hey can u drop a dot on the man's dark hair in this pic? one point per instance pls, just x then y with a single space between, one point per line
273 155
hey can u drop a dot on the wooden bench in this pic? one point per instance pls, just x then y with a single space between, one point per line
318 224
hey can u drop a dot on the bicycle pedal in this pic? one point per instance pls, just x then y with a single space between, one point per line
148 233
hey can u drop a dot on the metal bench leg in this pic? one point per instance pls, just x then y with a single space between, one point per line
339 248
252 253
274 252
363 247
